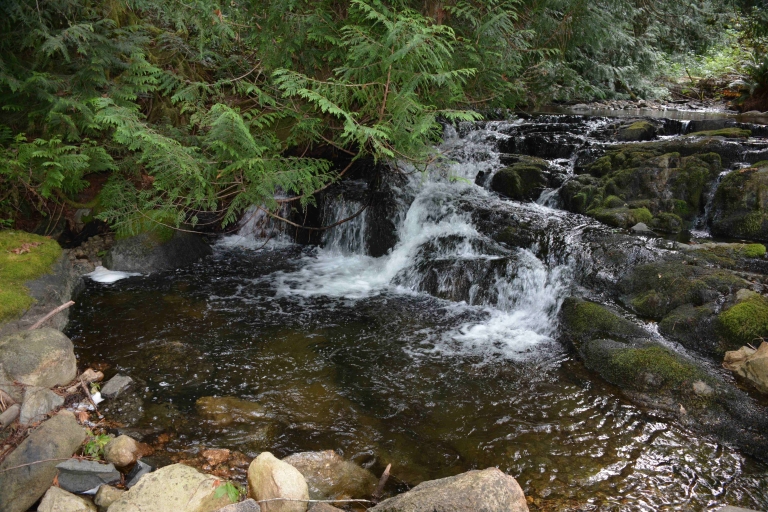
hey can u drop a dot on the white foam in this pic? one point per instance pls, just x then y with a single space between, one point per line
106 276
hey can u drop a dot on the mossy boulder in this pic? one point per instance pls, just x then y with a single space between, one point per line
740 206
729 133
727 255
636 132
23 258
646 367
693 327
581 321
670 185
621 217
655 289
746 322
523 180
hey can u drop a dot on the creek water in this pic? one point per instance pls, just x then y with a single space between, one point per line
438 357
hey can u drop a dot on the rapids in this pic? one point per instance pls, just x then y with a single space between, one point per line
438 357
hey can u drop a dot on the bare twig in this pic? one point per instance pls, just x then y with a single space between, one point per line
382 483
52 313
313 501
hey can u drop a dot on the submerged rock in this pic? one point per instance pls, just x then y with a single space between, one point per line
225 410
488 490
43 357
269 477
173 488
328 475
55 439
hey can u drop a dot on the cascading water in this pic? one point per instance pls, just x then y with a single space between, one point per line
437 357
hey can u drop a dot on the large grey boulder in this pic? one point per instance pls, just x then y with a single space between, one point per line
269 477
149 252
489 490
59 500
80 476
58 438
328 475
174 488
38 402
44 358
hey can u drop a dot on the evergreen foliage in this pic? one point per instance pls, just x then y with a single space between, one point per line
209 107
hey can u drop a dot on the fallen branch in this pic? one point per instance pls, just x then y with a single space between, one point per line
52 313
382 483
44 460
313 501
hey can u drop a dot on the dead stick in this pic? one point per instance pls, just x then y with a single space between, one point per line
382 483
49 315
88 394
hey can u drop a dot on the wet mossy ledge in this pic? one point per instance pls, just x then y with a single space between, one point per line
23 257
656 376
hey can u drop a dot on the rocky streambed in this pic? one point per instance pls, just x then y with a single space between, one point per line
555 298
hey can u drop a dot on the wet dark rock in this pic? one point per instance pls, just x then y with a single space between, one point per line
488 490
693 327
79 476
127 410
44 358
740 207
542 145
116 386
637 132
57 438
152 252
136 473
523 180
581 321
328 475
655 289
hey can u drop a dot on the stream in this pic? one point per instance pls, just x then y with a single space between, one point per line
438 357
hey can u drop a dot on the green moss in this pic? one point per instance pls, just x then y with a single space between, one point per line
682 209
668 223
613 202
16 269
642 215
732 133
753 251
657 361
745 322
583 321
601 166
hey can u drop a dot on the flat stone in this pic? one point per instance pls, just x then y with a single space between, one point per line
701 388
57 438
328 475
138 471
122 451
106 496
489 490
248 505
116 385
43 358
174 488
59 500
269 477
641 227
85 475
38 402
